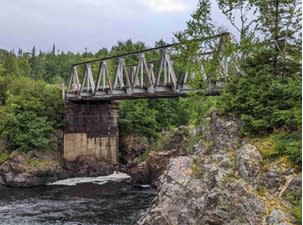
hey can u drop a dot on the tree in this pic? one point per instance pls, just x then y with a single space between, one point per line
32 112
280 24
54 50
242 16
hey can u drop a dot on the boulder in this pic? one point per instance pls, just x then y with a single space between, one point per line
138 173
277 217
249 162
224 132
88 166
149 171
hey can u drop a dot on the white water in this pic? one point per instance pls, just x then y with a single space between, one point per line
96 180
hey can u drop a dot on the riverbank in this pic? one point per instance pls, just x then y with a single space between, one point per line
37 168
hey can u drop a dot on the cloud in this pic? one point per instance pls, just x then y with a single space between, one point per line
78 24
166 5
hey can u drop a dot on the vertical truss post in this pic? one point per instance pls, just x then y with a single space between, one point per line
203 73
165 65
134 79
141 66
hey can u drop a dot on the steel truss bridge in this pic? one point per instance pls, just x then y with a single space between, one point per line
150 73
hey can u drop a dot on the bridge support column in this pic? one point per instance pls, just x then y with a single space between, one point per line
91 129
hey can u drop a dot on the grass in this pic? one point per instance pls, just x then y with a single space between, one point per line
43 164
297 211
277 145
265 145
192 141
261 190
296 202
3 157
196 170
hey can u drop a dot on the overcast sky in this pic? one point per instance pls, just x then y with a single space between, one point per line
74 25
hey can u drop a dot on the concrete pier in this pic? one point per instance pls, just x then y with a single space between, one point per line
91 129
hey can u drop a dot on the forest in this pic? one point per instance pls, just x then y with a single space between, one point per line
265 92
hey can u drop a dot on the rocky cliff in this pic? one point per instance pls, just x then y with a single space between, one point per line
224 180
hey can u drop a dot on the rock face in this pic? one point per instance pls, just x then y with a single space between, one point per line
150 170
131 147
218 184
248 162
37 168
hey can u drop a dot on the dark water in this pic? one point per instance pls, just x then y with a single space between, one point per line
112 203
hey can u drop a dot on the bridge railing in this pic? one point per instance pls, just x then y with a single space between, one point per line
154 72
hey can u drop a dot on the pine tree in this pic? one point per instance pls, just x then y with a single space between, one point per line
34 52
54 50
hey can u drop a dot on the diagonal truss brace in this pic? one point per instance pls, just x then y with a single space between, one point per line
88 84
121 76
142 74
103 81
74 84
166 73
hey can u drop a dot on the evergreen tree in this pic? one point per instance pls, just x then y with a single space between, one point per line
280 24
54 50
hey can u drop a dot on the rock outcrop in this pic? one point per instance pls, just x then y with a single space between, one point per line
149 171
222 182
37 168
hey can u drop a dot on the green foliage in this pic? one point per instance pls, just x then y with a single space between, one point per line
286 144
297 211
197 107
148 117
32 112
137 117
264 103
296 202
289 145
192 141
157 144
3 157
196 171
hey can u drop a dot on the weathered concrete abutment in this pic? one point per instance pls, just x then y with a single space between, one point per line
91 129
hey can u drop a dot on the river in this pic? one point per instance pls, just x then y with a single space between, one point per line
104 203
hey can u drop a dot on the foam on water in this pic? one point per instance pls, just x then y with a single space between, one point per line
96 180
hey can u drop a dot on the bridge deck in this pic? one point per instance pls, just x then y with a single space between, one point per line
143 95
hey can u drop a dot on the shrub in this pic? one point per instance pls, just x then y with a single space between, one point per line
289 145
